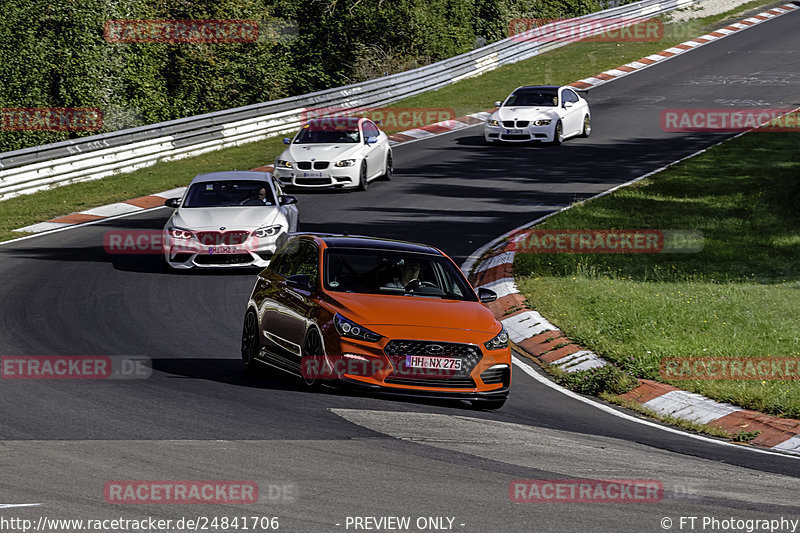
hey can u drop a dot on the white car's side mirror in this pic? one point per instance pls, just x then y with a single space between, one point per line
498 103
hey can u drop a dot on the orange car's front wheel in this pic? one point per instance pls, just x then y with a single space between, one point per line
250 345
312 347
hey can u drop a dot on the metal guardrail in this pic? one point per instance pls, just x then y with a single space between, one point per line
33 169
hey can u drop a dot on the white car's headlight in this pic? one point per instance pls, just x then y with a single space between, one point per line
493 122
180 233
543 122
499 341
346 163
349 329
283 163
267 231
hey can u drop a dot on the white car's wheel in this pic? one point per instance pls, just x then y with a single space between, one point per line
362 177
388 169
558 134
587 126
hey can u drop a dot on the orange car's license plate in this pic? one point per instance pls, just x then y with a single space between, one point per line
444 363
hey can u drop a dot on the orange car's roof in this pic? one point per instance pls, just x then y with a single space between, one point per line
358 241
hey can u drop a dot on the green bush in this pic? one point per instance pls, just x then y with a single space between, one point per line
593 381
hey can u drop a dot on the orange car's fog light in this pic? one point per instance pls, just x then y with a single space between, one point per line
360 365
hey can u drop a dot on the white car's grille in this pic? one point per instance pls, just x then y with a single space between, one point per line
316 165
516 124
218 238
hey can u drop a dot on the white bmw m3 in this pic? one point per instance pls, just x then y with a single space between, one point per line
228 219
336 152
543 113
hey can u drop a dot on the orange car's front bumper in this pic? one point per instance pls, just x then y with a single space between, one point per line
380 366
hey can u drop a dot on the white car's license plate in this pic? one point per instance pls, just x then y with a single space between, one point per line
314 175
513 132
441 363
212 250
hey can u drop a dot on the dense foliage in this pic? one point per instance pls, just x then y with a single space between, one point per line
54 54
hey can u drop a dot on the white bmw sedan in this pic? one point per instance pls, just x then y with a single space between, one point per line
228 219
544 113
336 152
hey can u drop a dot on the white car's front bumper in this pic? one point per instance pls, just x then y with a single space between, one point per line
191 253
332 177
517 133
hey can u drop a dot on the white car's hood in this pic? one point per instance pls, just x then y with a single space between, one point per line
525 113
231 218
321 152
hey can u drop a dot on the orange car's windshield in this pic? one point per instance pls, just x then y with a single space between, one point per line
394 272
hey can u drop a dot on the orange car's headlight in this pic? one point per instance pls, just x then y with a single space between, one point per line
499 341
349 329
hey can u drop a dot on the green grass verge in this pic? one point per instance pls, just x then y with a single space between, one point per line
561 66
739 297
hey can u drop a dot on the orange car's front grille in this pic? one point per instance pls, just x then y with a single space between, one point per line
398 350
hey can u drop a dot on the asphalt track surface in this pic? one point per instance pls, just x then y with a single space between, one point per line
342 454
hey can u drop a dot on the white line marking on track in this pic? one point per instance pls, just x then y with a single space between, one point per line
10 505
610 410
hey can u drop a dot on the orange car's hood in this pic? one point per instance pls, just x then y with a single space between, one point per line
393 310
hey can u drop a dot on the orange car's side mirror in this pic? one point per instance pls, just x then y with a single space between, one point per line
486 295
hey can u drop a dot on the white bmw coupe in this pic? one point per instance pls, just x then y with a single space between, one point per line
544 113
228 219
336 152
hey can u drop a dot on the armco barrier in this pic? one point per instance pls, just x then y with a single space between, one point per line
33 169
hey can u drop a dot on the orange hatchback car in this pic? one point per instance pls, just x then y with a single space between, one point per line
383 315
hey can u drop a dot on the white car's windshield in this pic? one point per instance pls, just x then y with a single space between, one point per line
309 136
228 193
329 130
533 97
376 271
